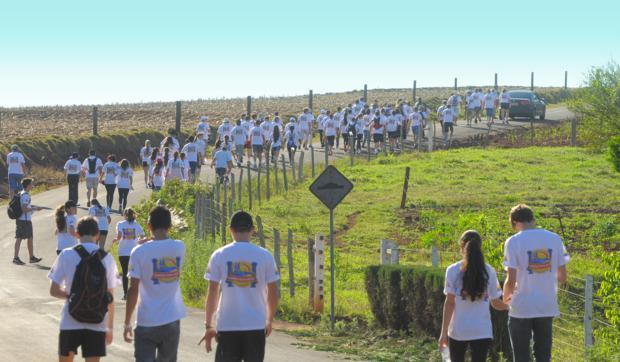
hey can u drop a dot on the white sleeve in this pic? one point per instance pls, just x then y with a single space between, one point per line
562 257
213 272
57 273
449 283
494 290
271 270
511 255
134 264
111 271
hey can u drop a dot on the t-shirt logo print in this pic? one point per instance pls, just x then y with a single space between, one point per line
539 261
129 234
241 274
166 270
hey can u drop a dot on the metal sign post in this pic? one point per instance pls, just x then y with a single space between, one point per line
331 187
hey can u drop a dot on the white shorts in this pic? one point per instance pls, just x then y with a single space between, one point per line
456 111
92 182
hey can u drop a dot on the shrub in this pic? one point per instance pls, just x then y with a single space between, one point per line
411 297
614 152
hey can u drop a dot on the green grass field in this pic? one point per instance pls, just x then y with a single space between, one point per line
573 192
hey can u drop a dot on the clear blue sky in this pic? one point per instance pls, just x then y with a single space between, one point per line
85 52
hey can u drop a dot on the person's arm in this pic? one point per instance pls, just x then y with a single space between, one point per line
272 306
57 292
213 299
509 285
109 334
562 274
498 304
448 311
131 182
132 300
73 232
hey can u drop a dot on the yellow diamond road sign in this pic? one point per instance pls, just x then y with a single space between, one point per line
331 187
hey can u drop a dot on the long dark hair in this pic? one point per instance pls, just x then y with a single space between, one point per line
61 219
124 164
158 166
154 154
129 214
276 134
166 155
475 276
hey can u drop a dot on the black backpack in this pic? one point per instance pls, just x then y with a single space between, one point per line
15 207
92 165
89 298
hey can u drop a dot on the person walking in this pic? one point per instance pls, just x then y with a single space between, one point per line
243 293
222 160
240 136
504 106
68 268
128 232
175 169
470 285
448 122
23 224
145 157
191 153
92 168
102 215
257 140
66 222
155 271
15 161
158 173
72 170
124 180
109 179
535 260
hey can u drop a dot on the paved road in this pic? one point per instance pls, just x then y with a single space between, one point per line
29 330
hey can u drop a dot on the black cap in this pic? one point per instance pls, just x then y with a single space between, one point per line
241 221
74 155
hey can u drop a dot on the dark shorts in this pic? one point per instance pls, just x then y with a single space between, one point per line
15 181
505 105
220 171
145 164
92 343
23 229
330 140
448 126
103 232
248 346
192 166
275 148
377 137
393 135
258 149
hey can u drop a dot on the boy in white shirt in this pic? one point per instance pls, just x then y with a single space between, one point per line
239 136
92 337
489 104
224 130
203 126
504 106
92 168
23 224
305 125
535 260
243 291
191 153
447 126
257 140
222 160
15 164
155 272
72 170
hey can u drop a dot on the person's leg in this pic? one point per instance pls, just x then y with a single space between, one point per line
88 193
93 345
102 239
124 261
95 188
229 347
480 349
520 331
543 338
30 247
457 350
253 346
68 342
168 341
108 196
145 345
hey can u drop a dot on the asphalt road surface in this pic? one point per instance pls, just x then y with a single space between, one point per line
29 329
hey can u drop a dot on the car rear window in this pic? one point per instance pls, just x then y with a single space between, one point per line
521 95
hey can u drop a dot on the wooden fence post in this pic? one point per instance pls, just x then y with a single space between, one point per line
573 132
289 255
365 93
310 99
319 272
261 234
300 167
352 149
495 81
223 222
415 86
249 106
312 159
326 154
249 187
275 177
276 247
455 84
177 118
213 215
403 200
232 185
293 174
95 121
267 184
310 271
532 82
258 197
284 174
239 192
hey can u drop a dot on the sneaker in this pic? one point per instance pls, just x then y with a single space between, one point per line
18 261
34 259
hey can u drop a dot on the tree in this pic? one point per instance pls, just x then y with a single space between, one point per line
598 106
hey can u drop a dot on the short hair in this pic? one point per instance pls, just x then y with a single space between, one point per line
241 221
91 152
521 213
87 226
160 218
26 182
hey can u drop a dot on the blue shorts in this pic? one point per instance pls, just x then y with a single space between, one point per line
490 112
15 181
192 167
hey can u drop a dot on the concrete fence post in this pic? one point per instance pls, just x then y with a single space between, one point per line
588 313
289 258
435 257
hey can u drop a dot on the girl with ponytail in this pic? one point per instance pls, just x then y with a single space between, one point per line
128 232
66 236
470 285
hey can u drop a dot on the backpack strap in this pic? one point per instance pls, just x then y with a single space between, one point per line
81 251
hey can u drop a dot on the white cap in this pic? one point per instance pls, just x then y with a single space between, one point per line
292 119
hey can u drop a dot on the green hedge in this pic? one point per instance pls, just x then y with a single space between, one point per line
411 297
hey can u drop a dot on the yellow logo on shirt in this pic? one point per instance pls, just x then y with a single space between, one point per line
539 261
166 270
241 274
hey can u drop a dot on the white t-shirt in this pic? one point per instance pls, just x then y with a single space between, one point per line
15 161
62 273
24 199
72 167
65 240
392 124
505 97
455 101
224 130
101 214
305 121
110 171
239 135
203 127
123 180
145 154
222 158
191 152
267 128
130 233
256 134
98 167
471 320
243 270
158 264
489 100
416 119
247 125
158 179
536 254
377 126
330 127
176 168
319 121
447 115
